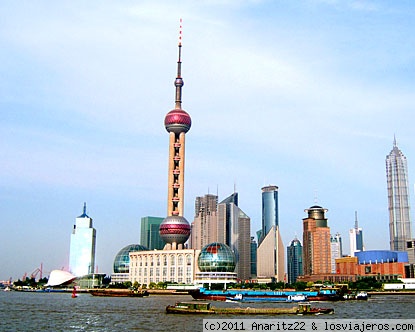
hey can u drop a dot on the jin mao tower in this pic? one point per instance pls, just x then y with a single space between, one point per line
398 199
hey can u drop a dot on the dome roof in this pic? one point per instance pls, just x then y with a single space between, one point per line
177 121
216 257
122 259
174 229
314 207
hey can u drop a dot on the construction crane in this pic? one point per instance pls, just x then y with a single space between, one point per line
34 274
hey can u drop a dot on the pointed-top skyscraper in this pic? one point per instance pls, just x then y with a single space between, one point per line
398 199
175 229
82 246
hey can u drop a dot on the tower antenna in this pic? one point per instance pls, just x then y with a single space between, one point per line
179 81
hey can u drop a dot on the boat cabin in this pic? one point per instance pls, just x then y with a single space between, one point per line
193 305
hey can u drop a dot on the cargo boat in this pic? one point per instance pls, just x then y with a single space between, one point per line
327 294
258 298
118 292
206 308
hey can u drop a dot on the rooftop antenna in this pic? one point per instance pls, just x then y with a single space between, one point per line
315 196
356 224
84 207
394 140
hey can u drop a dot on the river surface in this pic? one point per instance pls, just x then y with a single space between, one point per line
27 311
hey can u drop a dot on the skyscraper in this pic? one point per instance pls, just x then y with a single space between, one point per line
254 247
398 199
204 225
82 246
175 229
234 229
270 252
269 208
149 235
336 250
316 242
356 238
294 260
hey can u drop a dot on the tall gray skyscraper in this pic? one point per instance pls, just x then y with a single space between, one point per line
234 229
204 226
82 247
398 199
270 252
356 238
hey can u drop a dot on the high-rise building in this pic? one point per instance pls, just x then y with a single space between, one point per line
234 229
150 236
294 260
398 199
336 250
316 242
204 225
82 246
254 246
269 209
270 252
356 238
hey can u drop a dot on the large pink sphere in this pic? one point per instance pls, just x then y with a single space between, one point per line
177 121
175 229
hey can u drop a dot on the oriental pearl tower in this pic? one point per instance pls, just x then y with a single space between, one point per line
175 229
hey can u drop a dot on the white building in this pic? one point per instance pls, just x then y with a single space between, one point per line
82 247
178 265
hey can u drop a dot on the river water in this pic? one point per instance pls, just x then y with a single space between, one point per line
27 311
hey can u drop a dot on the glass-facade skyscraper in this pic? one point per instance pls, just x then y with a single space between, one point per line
294 260
149 235
234 229
398 199
269 209
82 247
270 252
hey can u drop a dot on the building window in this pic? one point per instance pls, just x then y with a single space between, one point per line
188 259
180 260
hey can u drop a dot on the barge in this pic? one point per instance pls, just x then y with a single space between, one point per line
118 292
206 308
326 294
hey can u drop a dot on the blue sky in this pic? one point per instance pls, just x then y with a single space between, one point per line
306 95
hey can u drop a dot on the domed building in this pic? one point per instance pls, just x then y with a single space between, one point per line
216 257
216 263
121 265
